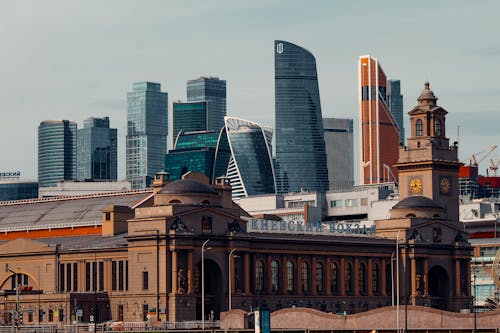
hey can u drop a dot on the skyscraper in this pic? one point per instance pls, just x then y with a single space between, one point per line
97 152
213 91
56 152
250 170
379 132
189 117
147 128
300 145
395 103
339 147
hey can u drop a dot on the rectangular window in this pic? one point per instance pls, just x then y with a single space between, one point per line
101 275
206 224
126 274
61 315
30 316
336 203
364 201
87 276
113 275
120 312
351 202
120 275
68 277
364 93
61 277
75 277
145 311
94 276
145 281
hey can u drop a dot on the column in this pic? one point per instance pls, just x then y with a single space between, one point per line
299 275
232 274
246 258
469 272
314 289
356 276
383 277
413 263
174 271
328 276
341 281
269 274
457 277
107 274
369 275
283 275
426 276
190 272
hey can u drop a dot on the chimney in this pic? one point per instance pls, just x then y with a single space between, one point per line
161 179
224 191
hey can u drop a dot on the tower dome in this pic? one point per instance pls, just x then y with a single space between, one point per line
427 96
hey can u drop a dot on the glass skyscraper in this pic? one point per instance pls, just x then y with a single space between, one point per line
18 190
339 147
56 152
147 129
395 103
191 116
97 150
250 170
300 145
213 91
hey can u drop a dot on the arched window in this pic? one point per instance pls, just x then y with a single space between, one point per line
319 278
375 279
437 127
205 203
348 279
362 278
290 276
305 276
259 275
174 201
275 276
410 215
419 127
334 283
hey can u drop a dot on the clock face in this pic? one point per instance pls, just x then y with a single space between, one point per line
415 185
444 185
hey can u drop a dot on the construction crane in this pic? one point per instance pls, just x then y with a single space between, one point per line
494 167
474 160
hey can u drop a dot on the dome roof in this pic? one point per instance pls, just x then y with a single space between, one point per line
186 186
427 94
417 202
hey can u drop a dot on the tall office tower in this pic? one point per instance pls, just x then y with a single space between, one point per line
56 152
300 145
250 170
339 147
379 132
203 151
189 117
395 103
213 91
97 152
147 128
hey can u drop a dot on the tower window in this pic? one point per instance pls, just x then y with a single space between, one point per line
419 127
437 128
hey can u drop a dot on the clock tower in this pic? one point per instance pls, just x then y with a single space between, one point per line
428 165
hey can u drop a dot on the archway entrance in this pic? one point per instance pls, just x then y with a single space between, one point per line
214 291
439 288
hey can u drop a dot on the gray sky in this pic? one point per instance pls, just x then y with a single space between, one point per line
73 60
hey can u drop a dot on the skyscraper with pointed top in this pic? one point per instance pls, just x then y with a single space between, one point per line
300 145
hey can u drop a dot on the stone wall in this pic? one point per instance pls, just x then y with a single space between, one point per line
382 318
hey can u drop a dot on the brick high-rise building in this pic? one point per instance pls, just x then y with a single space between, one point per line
379 132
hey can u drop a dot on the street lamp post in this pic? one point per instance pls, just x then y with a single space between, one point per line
203 283
229 280
474 302
397 281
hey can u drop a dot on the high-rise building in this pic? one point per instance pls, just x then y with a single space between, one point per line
300 145
250 170
56 152
395 103
189 117
147 129
339 147
97 150
206 152
379 132
213 91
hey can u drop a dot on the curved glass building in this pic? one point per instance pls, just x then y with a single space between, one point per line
56 152
250 170
300 145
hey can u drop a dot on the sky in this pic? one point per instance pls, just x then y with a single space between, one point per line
77 59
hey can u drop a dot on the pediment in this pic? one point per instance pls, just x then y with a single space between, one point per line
24 245
436 231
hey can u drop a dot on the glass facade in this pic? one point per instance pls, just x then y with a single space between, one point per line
189 117
300 145
97 150
339 146
395 102
18 190
147 129
202 151
250 170
213 91
56 152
